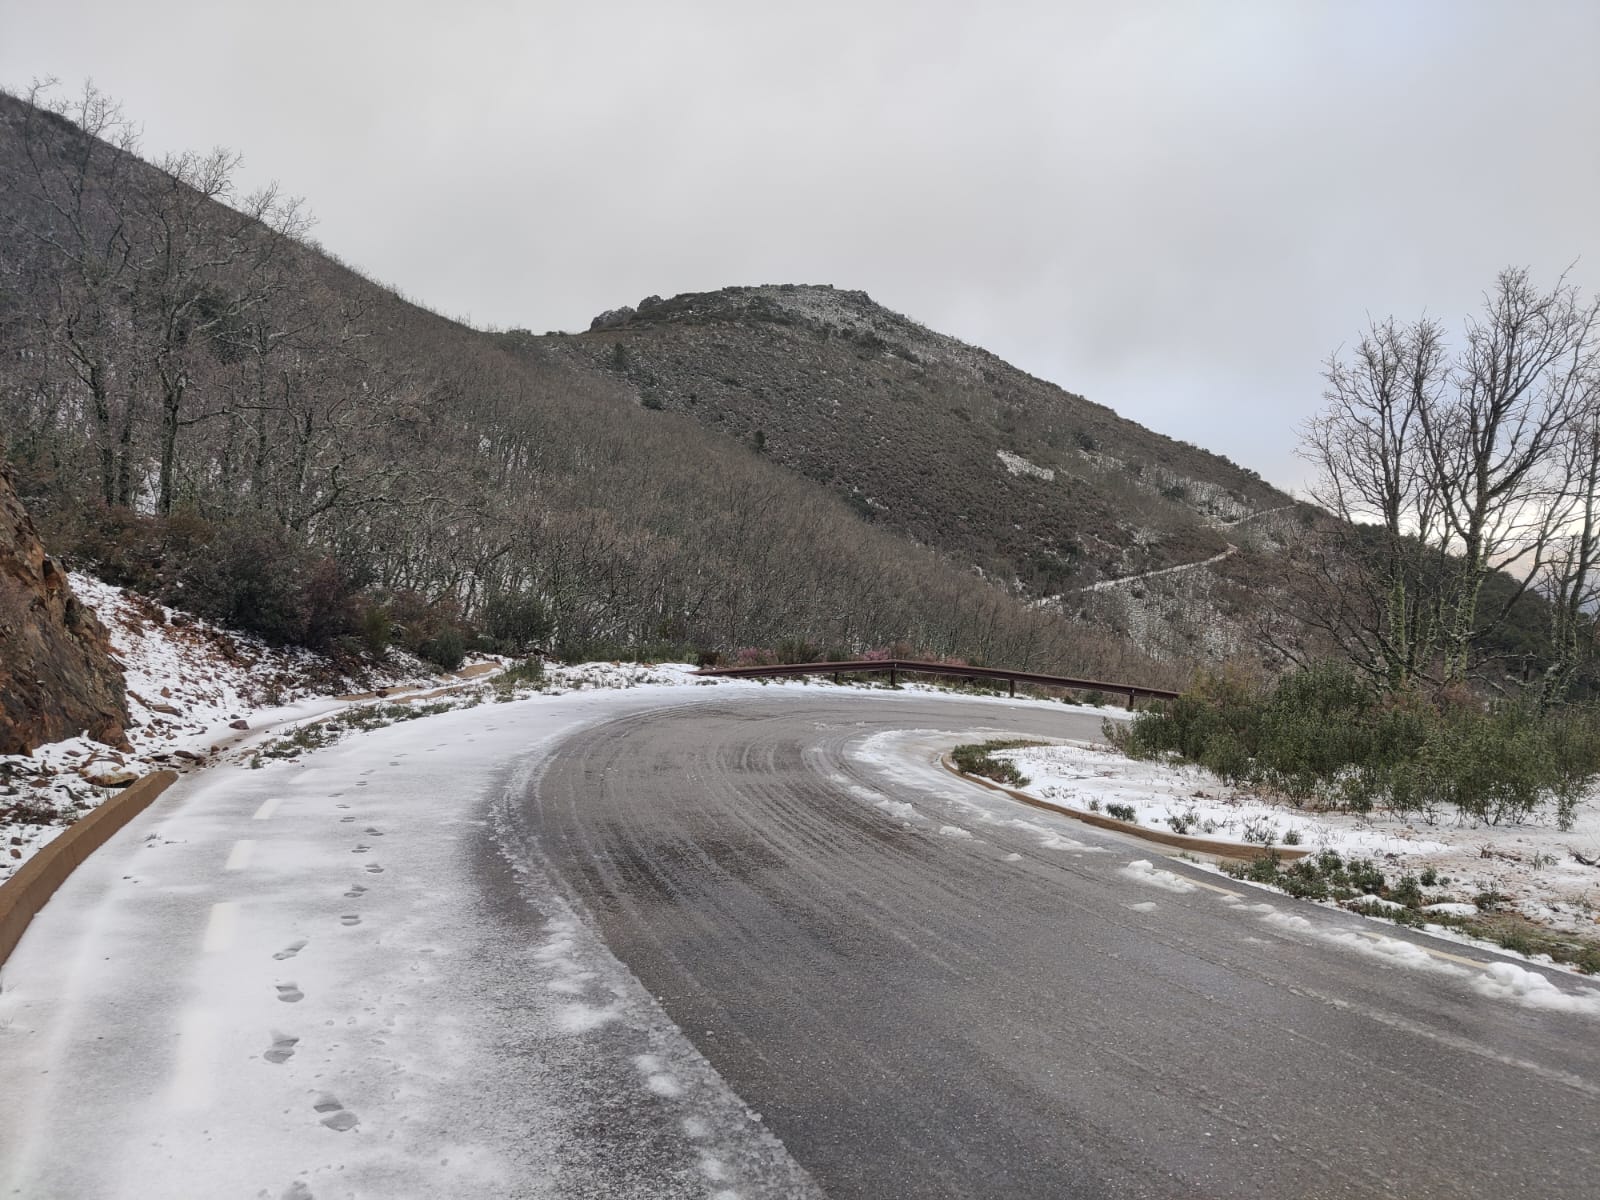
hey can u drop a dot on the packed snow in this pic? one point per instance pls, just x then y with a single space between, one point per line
194 690
293 969
1536 865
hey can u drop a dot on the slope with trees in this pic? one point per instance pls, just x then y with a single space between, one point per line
200 402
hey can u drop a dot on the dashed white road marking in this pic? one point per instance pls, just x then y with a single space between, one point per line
239 857
191 1075
264 813
220 927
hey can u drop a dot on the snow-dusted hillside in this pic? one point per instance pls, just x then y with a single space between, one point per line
194 690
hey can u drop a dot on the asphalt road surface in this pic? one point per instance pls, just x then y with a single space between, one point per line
964 998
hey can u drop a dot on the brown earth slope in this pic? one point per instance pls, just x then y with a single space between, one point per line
57 677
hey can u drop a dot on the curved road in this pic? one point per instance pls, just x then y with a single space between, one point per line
964 998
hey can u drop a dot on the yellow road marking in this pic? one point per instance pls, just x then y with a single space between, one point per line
1444 954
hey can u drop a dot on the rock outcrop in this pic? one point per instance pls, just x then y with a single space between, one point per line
57 677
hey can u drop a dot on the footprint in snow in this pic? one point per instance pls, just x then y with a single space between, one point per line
290 950
282 1048
374 869
349 919
372 831
361 849
346 820
297 1191
290 993
355 891
336 1116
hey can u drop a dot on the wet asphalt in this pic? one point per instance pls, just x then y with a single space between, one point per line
917 1013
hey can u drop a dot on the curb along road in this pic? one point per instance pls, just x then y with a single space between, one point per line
30 889
1217 849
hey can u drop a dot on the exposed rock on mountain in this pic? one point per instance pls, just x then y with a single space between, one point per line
57 678
921 433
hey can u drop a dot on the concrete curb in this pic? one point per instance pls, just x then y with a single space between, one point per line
1233 850
26 892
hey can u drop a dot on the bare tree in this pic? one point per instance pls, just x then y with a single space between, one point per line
1444 472
1570 575
80 152
204 267
1370 451
1495 448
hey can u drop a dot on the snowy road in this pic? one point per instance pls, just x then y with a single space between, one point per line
379 973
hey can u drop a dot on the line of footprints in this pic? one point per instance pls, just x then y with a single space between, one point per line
332 1113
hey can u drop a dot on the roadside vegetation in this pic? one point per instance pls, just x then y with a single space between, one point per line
977 758
1327 737
1412 900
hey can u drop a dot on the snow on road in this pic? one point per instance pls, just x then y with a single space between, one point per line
280 982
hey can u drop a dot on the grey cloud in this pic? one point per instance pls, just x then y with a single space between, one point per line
1177 209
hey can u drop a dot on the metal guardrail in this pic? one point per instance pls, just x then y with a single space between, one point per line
895 667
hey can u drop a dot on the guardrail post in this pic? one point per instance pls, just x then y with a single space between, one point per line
1013 684
893 677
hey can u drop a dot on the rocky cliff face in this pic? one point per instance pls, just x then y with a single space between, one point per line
57 677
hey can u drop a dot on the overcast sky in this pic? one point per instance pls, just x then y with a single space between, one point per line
1177 209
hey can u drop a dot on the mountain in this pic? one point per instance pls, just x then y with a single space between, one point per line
940 441
203 403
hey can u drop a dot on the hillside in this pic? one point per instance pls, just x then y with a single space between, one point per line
203 404
940 441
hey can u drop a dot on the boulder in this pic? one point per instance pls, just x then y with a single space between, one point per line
612 318
57 677
120 778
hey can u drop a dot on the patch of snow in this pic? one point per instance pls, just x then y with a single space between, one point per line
1507 981
1142 870
1533 865
1018 465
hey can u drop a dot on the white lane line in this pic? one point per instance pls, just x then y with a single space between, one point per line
239 857
264 813
219 929
191 1084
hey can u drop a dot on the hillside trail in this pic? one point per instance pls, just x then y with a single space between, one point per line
1103 584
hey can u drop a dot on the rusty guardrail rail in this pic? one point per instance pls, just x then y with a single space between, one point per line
895 667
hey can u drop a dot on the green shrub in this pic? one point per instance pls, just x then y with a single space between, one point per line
1326 733
529 673
1407 891
1122 812
977 759
516 621
447 648
377 630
